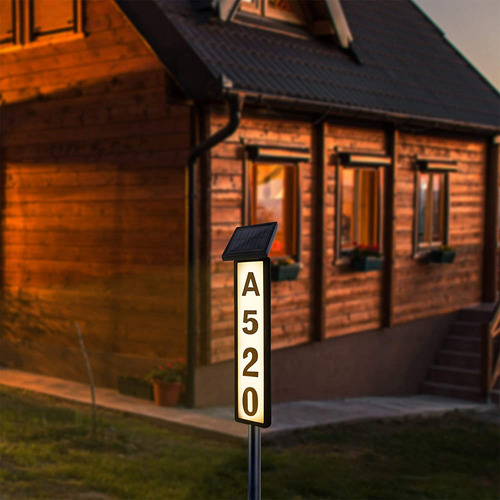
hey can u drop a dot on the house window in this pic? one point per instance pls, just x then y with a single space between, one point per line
7 22
274 198
431 209
49 17
432 202
359 195
41 20
283 10
360 207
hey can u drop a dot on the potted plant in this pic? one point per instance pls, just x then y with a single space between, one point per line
445 254
366 258
168 381
284 269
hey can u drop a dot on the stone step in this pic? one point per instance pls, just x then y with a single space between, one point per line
454 376
466 329
452 391
459 359
480 314
495 396
459 343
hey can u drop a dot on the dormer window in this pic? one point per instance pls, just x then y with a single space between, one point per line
282 10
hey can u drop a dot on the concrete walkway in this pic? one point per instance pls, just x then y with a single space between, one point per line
220 421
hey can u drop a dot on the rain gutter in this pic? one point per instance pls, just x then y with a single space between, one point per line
348 111
235 106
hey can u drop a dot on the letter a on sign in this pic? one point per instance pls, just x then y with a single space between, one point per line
249 247
250 285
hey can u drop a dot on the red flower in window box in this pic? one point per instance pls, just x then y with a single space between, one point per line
366 251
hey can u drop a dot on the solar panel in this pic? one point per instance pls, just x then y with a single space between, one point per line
250 242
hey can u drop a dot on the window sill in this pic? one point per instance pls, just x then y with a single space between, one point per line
360 264
368 263
47 40
435 255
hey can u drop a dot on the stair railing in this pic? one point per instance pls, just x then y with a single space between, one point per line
490 368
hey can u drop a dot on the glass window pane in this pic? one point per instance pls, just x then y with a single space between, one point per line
251 6
438 207
423 226
52 16
348 223
6 21
285 10
368 207
360 199
275 200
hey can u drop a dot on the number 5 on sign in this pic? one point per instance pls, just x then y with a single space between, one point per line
252 342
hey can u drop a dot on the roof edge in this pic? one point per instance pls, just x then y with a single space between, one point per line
457 51
306 105
168 44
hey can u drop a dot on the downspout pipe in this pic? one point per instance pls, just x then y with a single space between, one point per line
235 107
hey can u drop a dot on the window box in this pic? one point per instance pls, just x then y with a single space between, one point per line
284 272
443 256
367 263
136 387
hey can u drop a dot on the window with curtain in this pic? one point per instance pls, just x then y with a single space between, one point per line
431 209
274 198
360 205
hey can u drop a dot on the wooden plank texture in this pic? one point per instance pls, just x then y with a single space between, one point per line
291 302
93 200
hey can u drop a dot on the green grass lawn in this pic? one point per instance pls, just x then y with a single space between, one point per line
47 452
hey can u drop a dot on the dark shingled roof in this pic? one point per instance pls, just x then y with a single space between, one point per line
407 66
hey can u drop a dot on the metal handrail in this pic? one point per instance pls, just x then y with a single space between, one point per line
494 324
490 368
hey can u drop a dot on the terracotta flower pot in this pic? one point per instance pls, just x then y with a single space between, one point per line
167 393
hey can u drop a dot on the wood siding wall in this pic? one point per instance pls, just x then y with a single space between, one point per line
423 289
353 300
93 203
291 301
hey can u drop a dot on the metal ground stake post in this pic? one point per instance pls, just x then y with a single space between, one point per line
253 462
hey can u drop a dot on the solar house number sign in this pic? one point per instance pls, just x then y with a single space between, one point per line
248 248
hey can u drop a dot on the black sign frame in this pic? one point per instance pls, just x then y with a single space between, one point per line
267 343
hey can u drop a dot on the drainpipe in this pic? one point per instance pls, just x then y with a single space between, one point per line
235 107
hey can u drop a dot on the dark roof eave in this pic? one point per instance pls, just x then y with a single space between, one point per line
167 42
349 111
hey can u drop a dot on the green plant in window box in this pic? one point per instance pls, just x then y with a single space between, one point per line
445 254
366 258
286 269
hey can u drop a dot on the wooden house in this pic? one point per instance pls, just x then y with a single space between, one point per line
136 135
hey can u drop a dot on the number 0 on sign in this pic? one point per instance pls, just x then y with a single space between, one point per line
252 342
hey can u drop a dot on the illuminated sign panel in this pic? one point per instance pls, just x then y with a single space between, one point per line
249 248
252 343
